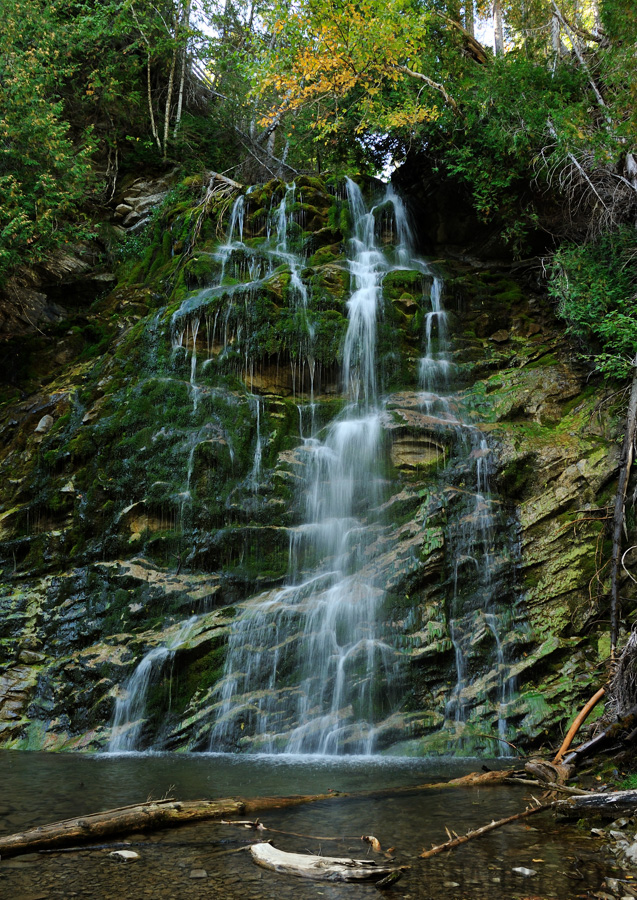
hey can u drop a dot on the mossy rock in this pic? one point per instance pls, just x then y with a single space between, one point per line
404 283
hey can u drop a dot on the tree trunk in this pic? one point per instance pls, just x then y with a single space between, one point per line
625 464
469 18
556 41
498 28
169 97
182 79
153 127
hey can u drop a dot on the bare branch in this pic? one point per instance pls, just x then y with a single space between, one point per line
433 84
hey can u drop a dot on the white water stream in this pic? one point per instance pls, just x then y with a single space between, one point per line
130 706
471 533
309 668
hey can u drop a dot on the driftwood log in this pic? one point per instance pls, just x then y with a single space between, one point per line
141 817
171 813
607 805
320 868
151 816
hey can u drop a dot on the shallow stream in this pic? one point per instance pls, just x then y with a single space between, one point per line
194 862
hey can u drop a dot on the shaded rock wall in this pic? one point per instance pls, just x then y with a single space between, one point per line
129 500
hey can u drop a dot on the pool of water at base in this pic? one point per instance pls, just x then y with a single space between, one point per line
198 861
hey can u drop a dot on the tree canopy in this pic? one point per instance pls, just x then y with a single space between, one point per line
544 117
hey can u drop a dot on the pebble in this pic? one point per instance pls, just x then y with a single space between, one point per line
198 873
125 855
526 873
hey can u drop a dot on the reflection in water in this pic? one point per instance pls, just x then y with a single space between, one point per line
48 787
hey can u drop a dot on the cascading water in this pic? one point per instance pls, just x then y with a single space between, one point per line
311 667
128 717
471 533
307 667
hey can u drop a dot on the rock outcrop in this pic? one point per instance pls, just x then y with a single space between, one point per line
131 497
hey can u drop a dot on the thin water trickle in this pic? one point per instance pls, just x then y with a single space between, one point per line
130 707
473 606
254 478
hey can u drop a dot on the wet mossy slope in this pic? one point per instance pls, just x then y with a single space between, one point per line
149 473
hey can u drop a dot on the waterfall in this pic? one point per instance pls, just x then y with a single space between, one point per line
130 706
308 669
471 533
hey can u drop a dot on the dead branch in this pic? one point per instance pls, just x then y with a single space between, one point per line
475 47
577 722
607 805
624 555
470 835
551 786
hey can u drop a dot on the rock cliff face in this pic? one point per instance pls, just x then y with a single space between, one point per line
151 456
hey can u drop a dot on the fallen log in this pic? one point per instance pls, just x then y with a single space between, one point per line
320 868
172 813
143 817
607 805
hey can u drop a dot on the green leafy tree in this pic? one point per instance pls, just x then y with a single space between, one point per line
44 175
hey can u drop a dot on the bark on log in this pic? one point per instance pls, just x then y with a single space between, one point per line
144 817
625 463
611 805
172 813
